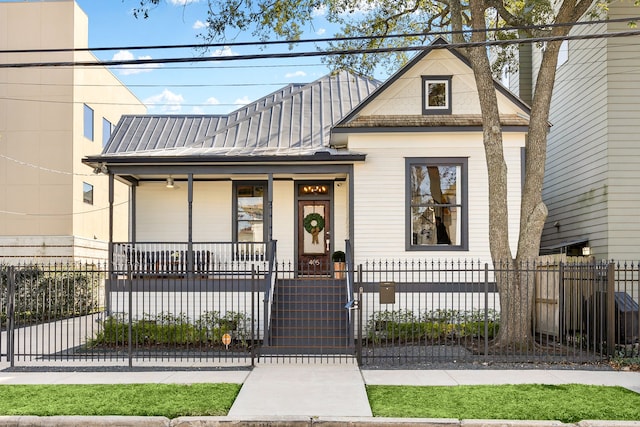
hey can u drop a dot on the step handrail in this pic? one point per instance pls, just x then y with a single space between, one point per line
349 306
270 290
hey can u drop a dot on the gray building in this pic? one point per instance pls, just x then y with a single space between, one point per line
593 157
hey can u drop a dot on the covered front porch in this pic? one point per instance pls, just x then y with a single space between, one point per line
191 222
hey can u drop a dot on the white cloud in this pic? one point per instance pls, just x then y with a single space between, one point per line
242 101
199 25
295 74
319 11
125 55
321 31
212 101
225 51
197 110
166 101
182 2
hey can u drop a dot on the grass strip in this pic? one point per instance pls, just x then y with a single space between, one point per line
168 400
568 403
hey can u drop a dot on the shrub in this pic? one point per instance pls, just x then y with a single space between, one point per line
403 326
47 295
167 329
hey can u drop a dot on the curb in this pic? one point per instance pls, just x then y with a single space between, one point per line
281 421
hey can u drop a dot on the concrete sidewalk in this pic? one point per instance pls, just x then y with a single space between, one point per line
305 394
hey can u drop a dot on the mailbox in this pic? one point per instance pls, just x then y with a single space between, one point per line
387 293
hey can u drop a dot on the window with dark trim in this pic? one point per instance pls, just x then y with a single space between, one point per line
87 193
436 203
436 94
248 205
88 122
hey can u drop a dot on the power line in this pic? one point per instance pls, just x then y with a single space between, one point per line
42 168
61 214
336 52
323 39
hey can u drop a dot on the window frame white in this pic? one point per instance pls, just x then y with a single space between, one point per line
429 109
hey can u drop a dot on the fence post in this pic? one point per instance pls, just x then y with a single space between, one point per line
359 345
11 316
130 309
611 307
253 318
486 310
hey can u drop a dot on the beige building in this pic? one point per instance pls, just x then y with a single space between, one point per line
53 207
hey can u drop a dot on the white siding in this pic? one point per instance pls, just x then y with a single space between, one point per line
162 213
404 96
380 194
284 218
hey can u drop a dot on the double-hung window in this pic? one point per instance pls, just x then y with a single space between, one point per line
436 203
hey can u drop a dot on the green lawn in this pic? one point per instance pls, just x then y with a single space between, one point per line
169 400
567 403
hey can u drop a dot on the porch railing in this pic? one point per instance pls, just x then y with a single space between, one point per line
151 258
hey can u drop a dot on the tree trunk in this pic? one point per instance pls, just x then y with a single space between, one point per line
515 278
514 287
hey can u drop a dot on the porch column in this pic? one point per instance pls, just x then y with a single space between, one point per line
351 208
133 232
270 208
110 244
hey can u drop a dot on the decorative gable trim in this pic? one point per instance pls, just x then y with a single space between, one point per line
439 43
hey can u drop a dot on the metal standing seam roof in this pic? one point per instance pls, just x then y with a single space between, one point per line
295 120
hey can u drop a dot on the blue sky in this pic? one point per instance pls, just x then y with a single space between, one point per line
200 88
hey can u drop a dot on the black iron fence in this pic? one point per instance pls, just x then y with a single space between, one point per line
92 314
386 313
429 312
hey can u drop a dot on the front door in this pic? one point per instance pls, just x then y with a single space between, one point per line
314 231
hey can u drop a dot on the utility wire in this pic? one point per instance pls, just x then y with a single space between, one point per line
31 165
318 53
324 39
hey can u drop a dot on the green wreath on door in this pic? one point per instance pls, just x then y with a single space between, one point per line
314 224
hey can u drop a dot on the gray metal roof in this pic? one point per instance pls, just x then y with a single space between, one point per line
295 120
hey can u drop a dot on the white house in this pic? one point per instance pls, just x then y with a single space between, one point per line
344 158
392 170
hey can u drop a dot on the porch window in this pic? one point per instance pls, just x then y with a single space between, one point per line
249 207
436 203
436 95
